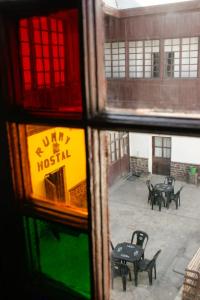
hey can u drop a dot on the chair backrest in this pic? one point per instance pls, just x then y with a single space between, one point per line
153 260
177 194
149 185
141 238
112 246
169 180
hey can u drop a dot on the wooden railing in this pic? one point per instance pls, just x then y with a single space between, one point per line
191 284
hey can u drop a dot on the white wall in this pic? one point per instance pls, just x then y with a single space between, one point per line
185 150
141 146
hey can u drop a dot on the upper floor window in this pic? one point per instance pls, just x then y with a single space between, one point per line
144 59
189 60
181 57
114 54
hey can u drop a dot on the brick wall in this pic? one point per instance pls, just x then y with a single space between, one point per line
180 170
138 165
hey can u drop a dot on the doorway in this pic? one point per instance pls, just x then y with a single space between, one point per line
54 186
161 155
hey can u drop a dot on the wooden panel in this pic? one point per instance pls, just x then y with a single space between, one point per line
114 29
173 94
78 195
160 9
179 24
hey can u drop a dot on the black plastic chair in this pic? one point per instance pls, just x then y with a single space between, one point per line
157 199
146 265
150 189
112 246
176 197
122 270
169 180
140 238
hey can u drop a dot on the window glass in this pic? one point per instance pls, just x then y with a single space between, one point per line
114 59
50 62
158 152
59 254
136 59
58 167
189 61
172 51
158 141
153 53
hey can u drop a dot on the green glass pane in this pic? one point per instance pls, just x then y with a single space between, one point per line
59 254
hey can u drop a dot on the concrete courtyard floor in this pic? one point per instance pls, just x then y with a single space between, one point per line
175 232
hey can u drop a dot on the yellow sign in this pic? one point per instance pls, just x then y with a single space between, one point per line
54 139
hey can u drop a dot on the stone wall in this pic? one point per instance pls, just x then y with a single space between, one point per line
181 170
138 165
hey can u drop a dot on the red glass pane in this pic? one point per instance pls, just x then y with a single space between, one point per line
36 23
43 22
45 37
46 65
26 63
23 23
53 25
25 49
24 34
50 58
62 76
27 76
54 38
38 50
60 26
47 79
61 51
40 79
55 51
45 51
56 64
62 64
61 39
57 77
37 38
39 65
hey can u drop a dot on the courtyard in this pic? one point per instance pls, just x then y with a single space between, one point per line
174 231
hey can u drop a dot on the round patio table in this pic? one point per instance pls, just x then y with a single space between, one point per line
165 188
128 252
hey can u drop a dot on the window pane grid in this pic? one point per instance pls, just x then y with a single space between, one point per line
41 47
189 60
144 59
43 38
57 41
152 58
114 57
181 57
136 53
25 53
172 54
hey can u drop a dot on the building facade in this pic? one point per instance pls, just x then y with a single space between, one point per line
152 58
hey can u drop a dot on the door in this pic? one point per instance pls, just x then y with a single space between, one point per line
161 155
118 148
54 186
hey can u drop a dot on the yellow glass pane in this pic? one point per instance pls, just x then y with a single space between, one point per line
57 160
